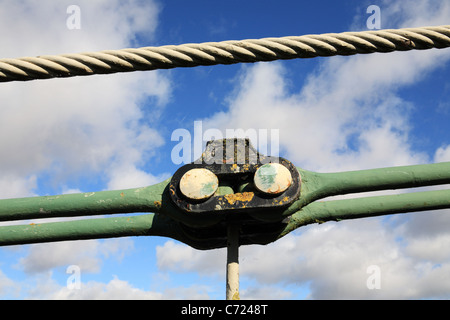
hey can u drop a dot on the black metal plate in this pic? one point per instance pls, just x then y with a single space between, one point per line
234 169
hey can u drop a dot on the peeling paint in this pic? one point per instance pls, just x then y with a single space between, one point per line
236 296
139 189
243 197
235 168
199 184
273 178
157 204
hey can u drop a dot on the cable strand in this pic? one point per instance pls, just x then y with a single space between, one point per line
226 52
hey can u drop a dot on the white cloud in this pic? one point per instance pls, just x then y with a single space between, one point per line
116 289
88 255
40 28
442 154
177 257
74 128
349 100
7 285
12 186
265 293
333 260
113 290
69 128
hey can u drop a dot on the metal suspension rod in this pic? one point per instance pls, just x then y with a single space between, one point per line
232 285
336 210
146 199
143 225
320 185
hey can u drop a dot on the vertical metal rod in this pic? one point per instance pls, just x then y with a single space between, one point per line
232 287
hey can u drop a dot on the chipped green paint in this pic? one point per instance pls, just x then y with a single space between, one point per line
272 178
266 174
199 184
209 188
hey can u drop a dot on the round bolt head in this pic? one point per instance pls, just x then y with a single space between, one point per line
272 178
199 184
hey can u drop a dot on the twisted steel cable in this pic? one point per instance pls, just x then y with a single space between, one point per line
226 52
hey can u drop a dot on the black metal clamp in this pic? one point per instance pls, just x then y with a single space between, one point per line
236 171
231 183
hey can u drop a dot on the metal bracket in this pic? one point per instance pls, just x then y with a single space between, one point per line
252 181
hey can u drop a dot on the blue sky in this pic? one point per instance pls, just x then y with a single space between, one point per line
113 132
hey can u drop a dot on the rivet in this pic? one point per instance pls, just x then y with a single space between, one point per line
199 184
272 178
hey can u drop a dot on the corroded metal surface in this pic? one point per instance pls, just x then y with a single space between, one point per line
199 184
235 162
272 178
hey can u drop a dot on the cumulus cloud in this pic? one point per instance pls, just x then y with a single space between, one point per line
73 127
347 112
57 132
87 255
115 289
177 257
442 154
7 285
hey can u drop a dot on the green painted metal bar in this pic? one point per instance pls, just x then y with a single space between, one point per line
76 230
149 199
97 228
161 225
336 210
146 199
320 185
316 186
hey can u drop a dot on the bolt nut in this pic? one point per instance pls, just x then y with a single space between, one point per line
272 178
199 184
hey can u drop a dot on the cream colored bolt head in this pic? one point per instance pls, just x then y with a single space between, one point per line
272 178
199 184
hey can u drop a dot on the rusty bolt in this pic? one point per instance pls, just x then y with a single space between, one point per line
199 184
272 178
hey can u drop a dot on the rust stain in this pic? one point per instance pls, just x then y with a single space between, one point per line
243 197
157 204
281 201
